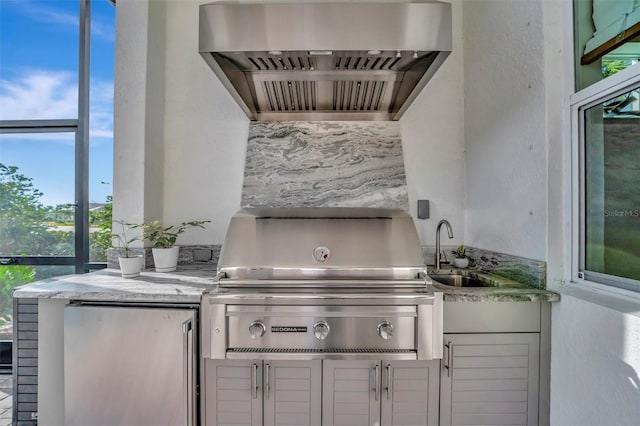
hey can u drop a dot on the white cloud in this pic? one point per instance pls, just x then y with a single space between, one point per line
103 30
101 110
52 15
39 94
42 94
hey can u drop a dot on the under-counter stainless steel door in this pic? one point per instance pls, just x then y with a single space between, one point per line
129 366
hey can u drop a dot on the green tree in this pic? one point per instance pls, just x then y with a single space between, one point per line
610 67
24 226
11 277
100 235
27 227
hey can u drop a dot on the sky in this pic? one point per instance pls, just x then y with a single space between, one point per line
38 80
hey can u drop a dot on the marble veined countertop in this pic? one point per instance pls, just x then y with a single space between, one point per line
498 289
187 284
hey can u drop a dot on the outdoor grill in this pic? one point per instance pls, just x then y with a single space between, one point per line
322 283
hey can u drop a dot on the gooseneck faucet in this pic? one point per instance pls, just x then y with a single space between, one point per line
449 231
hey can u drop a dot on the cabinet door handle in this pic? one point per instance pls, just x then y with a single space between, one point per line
254 381
188 371
376 381
267 387
388 387
448 360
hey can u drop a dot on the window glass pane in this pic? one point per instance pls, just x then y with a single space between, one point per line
101 128
13 276
37 175
39 59
612 195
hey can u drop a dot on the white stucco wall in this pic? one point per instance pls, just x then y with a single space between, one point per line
205 134
505 127
130 113
180 139
432 133
516 86
595 361
595 348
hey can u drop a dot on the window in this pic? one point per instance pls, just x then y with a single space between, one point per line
54 209
605 116
607 142
606 37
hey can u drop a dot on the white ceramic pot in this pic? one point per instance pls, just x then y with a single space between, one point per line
460 262
130 266
165 259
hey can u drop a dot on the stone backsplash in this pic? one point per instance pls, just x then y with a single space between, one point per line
527 271
189 255
324 164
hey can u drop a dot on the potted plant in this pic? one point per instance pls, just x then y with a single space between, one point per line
130 264
460 260
163 239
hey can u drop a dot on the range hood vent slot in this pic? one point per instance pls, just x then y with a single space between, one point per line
325 61
290 95
358 95
267 62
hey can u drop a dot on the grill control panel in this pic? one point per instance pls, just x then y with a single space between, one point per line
321 328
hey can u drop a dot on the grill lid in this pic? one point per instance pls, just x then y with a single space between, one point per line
325 61
321 243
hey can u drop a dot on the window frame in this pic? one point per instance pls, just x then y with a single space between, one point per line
619 83
80 127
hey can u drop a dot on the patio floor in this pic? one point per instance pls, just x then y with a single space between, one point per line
6 399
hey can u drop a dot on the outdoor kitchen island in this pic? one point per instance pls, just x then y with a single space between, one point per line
518 313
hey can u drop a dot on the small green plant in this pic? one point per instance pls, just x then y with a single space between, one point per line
12 276
460 252
124 240
165 237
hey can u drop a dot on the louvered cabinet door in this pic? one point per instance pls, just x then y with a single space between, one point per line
292 393
490 379
410 393
351 393
233 393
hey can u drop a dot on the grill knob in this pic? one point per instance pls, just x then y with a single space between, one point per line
385 330
256 329
321 330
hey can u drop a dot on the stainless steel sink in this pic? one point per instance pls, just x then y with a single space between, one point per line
455 280
465 279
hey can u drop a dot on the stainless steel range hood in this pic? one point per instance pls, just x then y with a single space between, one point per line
325 61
